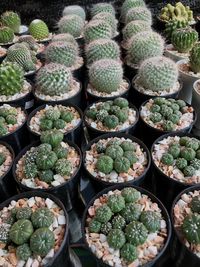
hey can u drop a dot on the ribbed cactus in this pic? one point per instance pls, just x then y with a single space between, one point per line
109 18
158 74
65 37
30 41
38 29
144 45
76 10
6 35
11 20
11 78
102 7
97 29
134 27
128 4
184 39
102 49
172 25
61 53
53 79
195 58
106 75
139 13
72 24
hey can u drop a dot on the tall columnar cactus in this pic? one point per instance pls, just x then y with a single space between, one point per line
158 74
106 75
72 24
11 20
102 49
139 13
102 7
76 10
144 45
6 35
97 29
61 53
109 18
128 4
53 79
30 41
135 27
38 29
11 79
65 37
195 58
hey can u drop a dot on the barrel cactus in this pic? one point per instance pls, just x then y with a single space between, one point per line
21 231
158 74
53 79
144 45
173 25
139 13
42 217
114 151
184 39
121 164
64 37
129 4
151 220
129 252
116 239
23 252
76 10
52 137
23 213
106 75
102 49
38 29
46 161
191 228
63 167
109 18
130 194
194 58
30 41
11 20
72 24
116 203
102 7
136 233
135 27
6 35
103 214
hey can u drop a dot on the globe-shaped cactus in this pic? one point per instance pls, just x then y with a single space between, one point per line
76 10
38 29
21 231
63 167
139 13
111 121
121 164
105 228
192 143
194 58
42 217
23 252
188 153
94 226
6 35
52 137
116 239
72 24
135 27
116 203
131 212
61 152
102 7
28 39
129 4
104 164
127 146
136 233
4 232
109 18
23 213
181 163
11 20
45 160
195 204
46 176
191 228
114 151
118 222
130 194
65 37
151 220
103 214
59 124
129 252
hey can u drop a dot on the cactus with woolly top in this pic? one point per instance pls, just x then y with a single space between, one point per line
194 58
75 10
139 13
158 74
39 29
102 49
30 41
106 75
135 27
63 53
109 18
65 37
97 29
63 167
102 7
6 35
129 4
11 20
53 79
184 39
72 24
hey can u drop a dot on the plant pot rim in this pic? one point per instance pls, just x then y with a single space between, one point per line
177 56
184 62
13 158
195 86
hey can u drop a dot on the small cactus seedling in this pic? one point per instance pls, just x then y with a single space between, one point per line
76 10
72 24
11 20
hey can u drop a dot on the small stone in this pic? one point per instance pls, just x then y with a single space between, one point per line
61 220
55 183
153 250
20 263
31 202
55 223
151 236
102 238
181 203
49 203
29 262
35 263
163 224
113 175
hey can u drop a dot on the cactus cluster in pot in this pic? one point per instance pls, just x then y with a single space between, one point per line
28 39
12 20
39 30
72 24
64 37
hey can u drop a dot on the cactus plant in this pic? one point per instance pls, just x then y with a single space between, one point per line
6 35
23 252
42 217
167 159
104 164
102 7
65 37
111 121
114 151
194 58
127 146
105 228
46 176
46 161
52 137
4 232
59 124
189 171
23 213
52 114
172 26
192 143
195 204
103 214
139 13
76 10
94 226
72 24
110 19
129 4
151 220
118 222
131 212
121 164
144 45
188 153
116 239
134 27
63 167
30 41
130 194
11 20
136 233
191 228
21 231
116 203
129 252
38 29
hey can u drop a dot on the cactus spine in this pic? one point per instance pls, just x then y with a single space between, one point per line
139 13
72 24
74 10
109 18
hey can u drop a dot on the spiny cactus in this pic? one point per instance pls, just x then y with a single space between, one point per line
135 27
72 24
106 75
139 13
97 29
184 39
102 49
61 53
158 73
30 41
65 37
129 4
109 18
6 35
144 45
11 20
53 79
102 7
38 29
172 25
195 58
76 10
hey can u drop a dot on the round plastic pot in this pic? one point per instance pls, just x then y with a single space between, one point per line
93 133
7 183
166 188
66 192
99 184
154 199
61 257
79 73
149 134
196 103
72 135
171 55
179 251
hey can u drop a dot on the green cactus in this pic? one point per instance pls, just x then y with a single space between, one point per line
189 171
116 203
76 10
105 228
100 147
111 121
72 24
63 167
114 151
23 252
52 114
67 116
194 58
28 39
103 214
46 124
139 13
191 228
192 143
118 222
11 119
181 163
195 204
130 194
53 80
102 7
144 45
122 115
166 110
151 220
6 35
61 152
109 18
52 137
46 160
131 212
188 153
151 74
30 170
172 26
65 37
23 213
129 4
101 115
127 146
38 29
4 232
174 118
195 163
102 49
44 148
174 150
21 231
94 226
11 20
46 176
134 27
183 140
136 233
130 155
167 159
59 124
42 217
116 239
121 164
129 252
104 164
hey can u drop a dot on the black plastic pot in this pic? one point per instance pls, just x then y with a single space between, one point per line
166 188
66 192
93 133
61 257
179 251
153 198
72 135
99 184
7 183
149 134
79 73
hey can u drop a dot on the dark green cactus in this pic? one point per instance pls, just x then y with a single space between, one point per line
188 154
116 203
121 164
46 161
118 222
111 121
52 137
45 124
105 228
129 252
42 217
195 204
151 220
194 58
23 213
131 212
104 164
136 233
181 163
61 152
114 151
130 194
21 231
174 150
67 116
94 226
191 228
116 238
127 146
167 159
103 214
131 157
23 252
59 124
46 176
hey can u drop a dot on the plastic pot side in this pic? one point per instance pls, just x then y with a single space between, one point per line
175 57
196 102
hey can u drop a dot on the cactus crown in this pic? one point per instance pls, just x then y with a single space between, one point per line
76 10
139 13
72 24
102 7
39 29
6 35
11 20
129 4
195 58
109 18
135 27
64 37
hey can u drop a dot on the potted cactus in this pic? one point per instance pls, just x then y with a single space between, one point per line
185 221
128 5
195 103
31 43
12 20
34 231
39 30
102 7
126 226
139 13
74 9
7 36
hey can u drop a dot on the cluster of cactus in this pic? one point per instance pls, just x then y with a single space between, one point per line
6 35
102 7
8 116
139 13
194 58
185 155
134 27
109 113
12 20
173 25
72 24
124 223
28 39
55 118
65 37
158 74
75 10
129 4
38 29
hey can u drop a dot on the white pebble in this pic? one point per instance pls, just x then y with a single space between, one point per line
49 203
20 263
35 263
153 250
102 238
55 223
61 220
181 203
13 203
2 252
113 175
55 183
151 236
29 262
50 254
31 202
163 224
185 198
93 125
93 248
